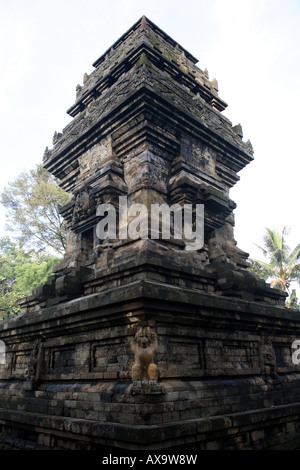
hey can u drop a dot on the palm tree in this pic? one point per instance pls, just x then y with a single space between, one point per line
283 264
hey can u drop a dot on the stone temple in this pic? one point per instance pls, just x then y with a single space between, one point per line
139 342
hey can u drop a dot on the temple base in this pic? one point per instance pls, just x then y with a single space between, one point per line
224 373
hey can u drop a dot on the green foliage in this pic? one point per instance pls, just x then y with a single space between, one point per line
32 209
261 271
282 265
20 272
292 302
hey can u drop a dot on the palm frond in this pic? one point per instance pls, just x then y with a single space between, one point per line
295 255
276 247
263 265
293 271
261 248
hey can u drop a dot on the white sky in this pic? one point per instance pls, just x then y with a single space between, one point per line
250 46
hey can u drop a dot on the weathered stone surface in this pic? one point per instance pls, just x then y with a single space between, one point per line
142 344
147 125
211 360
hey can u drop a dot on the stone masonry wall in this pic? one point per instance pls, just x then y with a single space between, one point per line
225 378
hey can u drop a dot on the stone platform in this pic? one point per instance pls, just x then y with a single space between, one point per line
226 380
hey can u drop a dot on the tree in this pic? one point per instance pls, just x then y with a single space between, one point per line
20 273
293 300
282 264
32 202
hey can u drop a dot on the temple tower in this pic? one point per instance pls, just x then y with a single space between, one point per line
148 127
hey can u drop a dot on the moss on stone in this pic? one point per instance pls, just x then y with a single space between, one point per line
143 60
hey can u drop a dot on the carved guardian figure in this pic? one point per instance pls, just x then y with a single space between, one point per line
143 346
